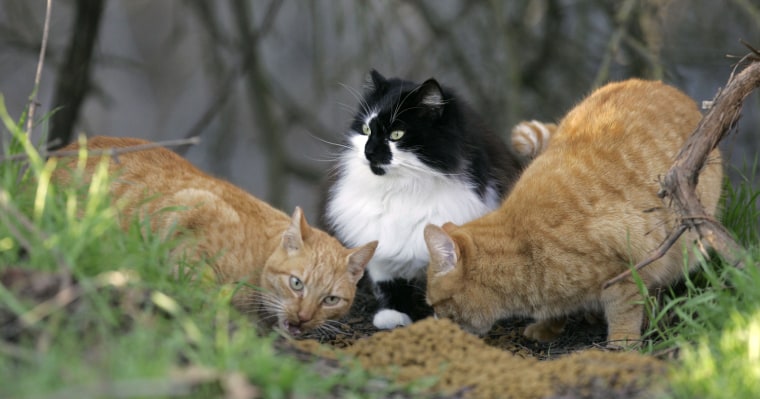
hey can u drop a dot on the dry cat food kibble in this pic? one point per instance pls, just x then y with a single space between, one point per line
465 363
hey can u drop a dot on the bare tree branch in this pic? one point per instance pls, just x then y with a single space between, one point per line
260 95
38 74
74 75
613 45
442 32
111 151
659 253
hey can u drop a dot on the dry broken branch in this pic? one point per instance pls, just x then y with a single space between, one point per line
680 183
113 152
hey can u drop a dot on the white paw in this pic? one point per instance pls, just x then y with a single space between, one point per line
387 319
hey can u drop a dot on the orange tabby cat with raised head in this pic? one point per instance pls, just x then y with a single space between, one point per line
303 276
585 210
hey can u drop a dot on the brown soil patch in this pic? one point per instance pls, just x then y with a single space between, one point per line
463 363
503 364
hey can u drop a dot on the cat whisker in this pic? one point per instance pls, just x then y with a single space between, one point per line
348 108
398 105
337 323
396 113
413 108
428 171
328 142
334 169
358 96
330 156
326 160
321 331
270 305
326 330
269 316
335 326
264 301
267 313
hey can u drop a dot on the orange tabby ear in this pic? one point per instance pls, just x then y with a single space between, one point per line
449 227
442 249
292 239
358 260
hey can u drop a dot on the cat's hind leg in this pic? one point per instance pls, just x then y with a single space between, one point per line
545 330
624 312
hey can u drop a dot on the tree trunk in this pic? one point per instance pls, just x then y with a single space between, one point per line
74 74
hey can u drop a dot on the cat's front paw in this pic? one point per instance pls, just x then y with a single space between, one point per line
387 319
545 330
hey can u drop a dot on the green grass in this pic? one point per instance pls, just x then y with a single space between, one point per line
128 328
713 323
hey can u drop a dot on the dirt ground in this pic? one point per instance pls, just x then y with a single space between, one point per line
458 365
581 332
504 364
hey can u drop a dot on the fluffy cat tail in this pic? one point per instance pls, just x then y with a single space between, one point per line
530 138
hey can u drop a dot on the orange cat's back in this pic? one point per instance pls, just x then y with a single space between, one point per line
148 180
608 155
156 170
297 277
585 210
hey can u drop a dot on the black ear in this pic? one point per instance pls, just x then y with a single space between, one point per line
430 97
374 81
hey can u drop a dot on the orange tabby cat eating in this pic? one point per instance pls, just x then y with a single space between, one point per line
585 210
303 276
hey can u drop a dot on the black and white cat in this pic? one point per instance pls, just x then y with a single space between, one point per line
415 154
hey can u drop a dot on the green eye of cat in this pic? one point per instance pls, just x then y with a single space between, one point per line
331 300
366 130
295 283
397 135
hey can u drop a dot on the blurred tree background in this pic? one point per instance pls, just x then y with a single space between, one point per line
270 86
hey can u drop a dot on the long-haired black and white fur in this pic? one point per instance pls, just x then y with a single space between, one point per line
415 154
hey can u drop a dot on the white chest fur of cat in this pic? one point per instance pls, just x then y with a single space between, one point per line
394 208
415 154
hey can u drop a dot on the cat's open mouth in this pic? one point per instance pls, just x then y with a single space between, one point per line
293 330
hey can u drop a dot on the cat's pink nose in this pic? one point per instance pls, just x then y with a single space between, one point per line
304 317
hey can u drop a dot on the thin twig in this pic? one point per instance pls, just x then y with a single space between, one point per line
111 151
66 295
270 15
38 74
752 49
624 14
25 244
659 253
223 95
10 210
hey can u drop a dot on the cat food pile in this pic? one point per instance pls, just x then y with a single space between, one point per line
466 364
